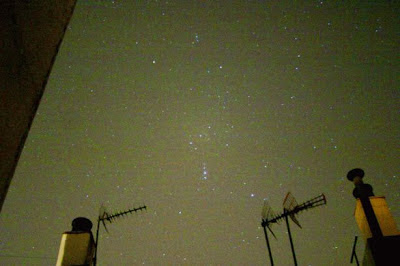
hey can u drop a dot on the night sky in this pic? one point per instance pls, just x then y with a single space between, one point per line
201 110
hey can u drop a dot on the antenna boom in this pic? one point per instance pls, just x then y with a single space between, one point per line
111 217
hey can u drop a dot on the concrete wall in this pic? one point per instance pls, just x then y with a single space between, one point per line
31 32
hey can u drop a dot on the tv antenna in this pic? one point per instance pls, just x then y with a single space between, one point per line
290 209
104 217
266 214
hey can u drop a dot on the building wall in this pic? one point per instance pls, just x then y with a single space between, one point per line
30 35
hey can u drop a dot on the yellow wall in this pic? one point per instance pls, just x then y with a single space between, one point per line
382 212
76 248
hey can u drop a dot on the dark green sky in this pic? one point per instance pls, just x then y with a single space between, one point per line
201 110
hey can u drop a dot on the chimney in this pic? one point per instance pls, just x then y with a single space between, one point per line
77 246
375 221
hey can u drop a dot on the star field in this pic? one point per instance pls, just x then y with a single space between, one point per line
201 110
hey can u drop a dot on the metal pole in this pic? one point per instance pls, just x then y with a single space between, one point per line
290 238
269 248
96 245
353 253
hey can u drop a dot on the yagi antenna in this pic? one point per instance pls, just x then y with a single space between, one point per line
266 214
290 209
104 217
289 204
111 217
103 213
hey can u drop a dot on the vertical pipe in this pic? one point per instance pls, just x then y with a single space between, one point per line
269 247
371 217
363 192
290 237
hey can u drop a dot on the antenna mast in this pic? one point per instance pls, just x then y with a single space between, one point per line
103 217
290 209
